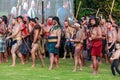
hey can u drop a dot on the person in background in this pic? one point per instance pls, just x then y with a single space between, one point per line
115 60
104 41
35 42
68 35
2 40
111 38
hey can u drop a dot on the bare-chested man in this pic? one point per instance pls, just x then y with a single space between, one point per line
96 37
111 38
16 35
2 39
104 42
115 60
35 43
68 35
78 46
54 42
41 42
26 43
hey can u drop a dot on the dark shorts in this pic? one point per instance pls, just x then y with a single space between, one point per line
104 42
52 49
2 44
25 46
96 47
68 47
112 48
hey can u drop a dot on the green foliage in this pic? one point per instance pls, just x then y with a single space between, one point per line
89 7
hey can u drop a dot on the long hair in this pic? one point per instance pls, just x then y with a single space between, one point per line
96 22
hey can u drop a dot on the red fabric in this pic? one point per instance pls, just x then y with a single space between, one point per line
47 34
96 47
24 29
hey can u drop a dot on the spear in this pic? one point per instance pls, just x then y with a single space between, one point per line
42 11
112 6
78 9
97 12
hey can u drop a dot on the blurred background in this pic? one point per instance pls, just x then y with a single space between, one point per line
34 8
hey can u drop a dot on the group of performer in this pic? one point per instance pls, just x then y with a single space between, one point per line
89 38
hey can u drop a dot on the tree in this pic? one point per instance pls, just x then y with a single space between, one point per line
89 7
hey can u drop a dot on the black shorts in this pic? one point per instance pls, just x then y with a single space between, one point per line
67 47
104 42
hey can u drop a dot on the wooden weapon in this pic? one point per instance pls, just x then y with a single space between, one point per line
112 6
78 9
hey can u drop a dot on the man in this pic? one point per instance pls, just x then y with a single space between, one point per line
115 60
54 42
78 41
26 44
32 11
25 7
96 37
35 45
46 30
2 39
16 35
68 35
63 12
111 38
104 42
41 42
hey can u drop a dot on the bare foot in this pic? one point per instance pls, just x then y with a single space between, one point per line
95 72
43 65
13 65
33 65
26 61
57 66
6 61
50 68
100 62
107 62
91 66
74 70
22 63
80 69
63 58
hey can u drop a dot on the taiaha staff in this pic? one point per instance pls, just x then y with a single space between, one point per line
78 9
97 11
112 6
42 11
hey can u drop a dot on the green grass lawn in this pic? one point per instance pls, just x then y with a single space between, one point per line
25 72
